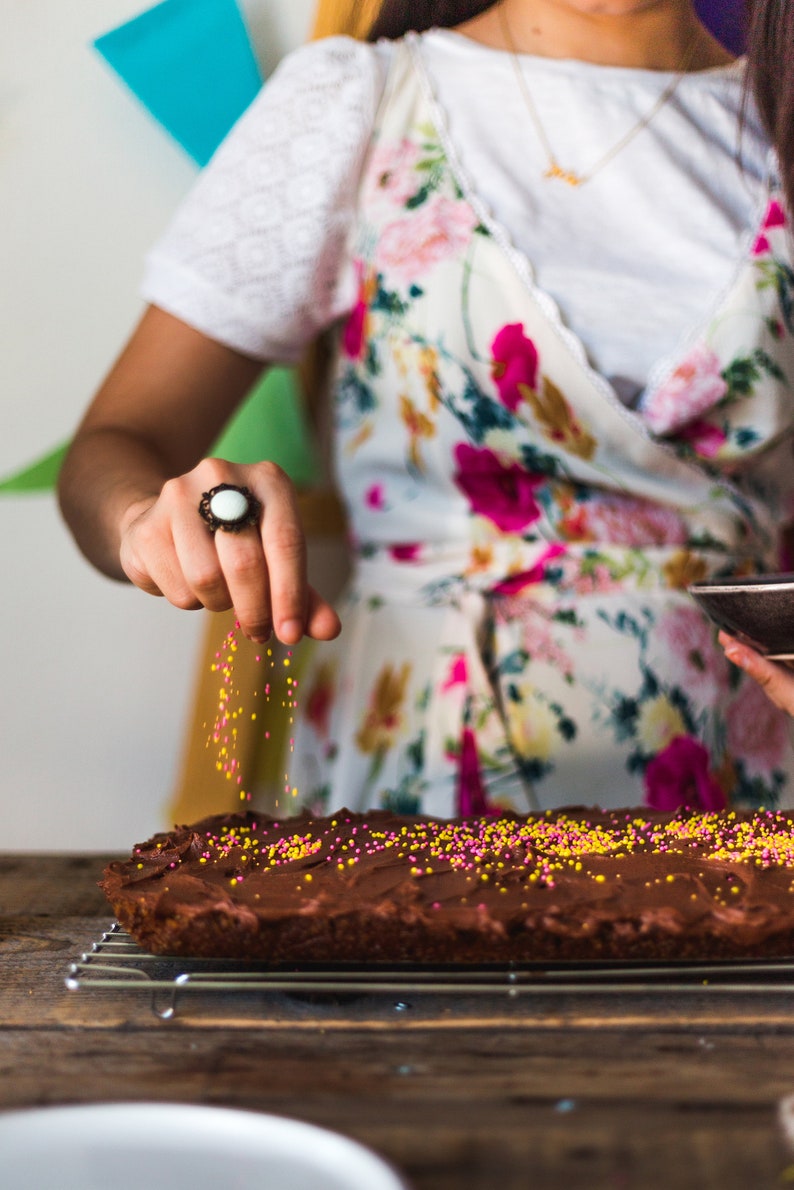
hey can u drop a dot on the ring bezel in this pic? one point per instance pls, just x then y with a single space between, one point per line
214 522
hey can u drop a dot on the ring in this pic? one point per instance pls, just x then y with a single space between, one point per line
229 508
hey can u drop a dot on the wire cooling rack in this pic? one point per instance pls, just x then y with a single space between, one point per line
116 962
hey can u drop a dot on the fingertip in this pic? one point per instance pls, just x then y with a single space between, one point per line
324 624
289 632
737 653
258 636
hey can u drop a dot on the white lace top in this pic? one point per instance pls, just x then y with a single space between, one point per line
256 254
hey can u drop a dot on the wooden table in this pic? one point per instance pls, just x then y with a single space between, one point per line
590 1090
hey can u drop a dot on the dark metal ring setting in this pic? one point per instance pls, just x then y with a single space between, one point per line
229 508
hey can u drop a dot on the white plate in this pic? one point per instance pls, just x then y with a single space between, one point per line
167 1146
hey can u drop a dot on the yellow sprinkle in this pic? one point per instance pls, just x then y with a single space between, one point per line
308 878
600 879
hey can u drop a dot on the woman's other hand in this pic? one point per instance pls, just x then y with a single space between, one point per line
776 680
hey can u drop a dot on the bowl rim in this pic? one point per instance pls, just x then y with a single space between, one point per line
749 583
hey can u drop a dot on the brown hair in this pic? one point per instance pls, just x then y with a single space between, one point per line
397 17
770 53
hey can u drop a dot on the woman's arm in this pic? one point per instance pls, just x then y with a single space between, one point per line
131 484
775 679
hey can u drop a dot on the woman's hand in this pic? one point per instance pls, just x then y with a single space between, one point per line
167 549
776 680
131 484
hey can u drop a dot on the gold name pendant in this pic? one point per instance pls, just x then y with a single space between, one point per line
564 175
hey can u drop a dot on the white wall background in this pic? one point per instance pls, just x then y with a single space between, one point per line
95 678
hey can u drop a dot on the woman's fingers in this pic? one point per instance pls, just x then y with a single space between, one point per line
168 549
322 622
244 574
775 679
284 547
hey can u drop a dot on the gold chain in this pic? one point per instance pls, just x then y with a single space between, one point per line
554 169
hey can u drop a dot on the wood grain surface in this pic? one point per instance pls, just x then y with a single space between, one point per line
645 1091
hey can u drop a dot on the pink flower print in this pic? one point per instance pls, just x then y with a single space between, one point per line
515 364
319 700
540 644
516 583
375 498
679 776
391 177
593 580
458 673
705 439
629 522
685 637
537 635
436 231
355 331
472 799
406 551
353 334
758 733
775 217
695 386
502 492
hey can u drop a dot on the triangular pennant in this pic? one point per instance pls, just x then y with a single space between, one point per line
271 425
40 476
191 64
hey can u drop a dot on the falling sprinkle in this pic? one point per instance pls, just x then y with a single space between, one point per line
230 709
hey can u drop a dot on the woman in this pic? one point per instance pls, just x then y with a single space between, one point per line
558 281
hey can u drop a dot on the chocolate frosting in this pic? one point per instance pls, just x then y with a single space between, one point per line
574 883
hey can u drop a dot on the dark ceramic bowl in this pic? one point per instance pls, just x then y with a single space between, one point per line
757 610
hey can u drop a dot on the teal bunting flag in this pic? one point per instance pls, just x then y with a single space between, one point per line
191 64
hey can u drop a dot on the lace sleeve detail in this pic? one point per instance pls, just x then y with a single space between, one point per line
255 255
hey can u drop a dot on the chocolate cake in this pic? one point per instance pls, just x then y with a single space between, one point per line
575 884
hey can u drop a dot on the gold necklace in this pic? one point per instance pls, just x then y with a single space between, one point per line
554 169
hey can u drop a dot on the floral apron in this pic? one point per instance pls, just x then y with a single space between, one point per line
517 631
